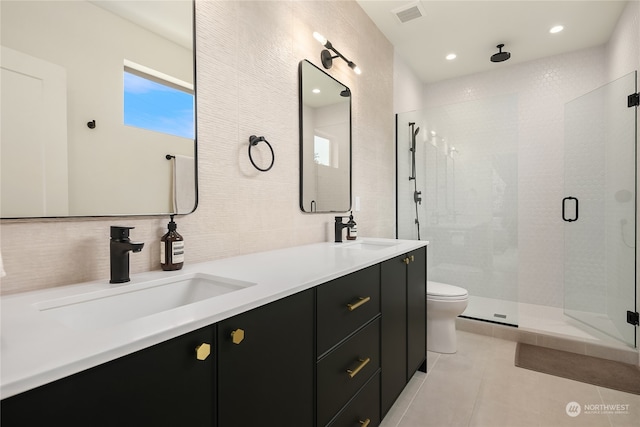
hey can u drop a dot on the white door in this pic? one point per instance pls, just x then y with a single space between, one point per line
33 140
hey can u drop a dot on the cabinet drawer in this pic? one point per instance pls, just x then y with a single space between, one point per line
336 386
336 320
364 407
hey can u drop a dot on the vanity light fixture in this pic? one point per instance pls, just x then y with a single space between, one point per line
327 57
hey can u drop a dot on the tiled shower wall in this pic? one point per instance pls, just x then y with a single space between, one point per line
247 82
543 87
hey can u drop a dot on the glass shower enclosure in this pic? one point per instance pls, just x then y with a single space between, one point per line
459 187
599 209
462 197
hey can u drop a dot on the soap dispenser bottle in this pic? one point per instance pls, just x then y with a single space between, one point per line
352 230
172 249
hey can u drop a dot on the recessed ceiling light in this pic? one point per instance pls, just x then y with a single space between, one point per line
556 29
451 56
316 91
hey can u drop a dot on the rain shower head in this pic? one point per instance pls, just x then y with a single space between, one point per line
500 56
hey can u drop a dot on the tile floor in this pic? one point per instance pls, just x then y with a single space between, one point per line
480 386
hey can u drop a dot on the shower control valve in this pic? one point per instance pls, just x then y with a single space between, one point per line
417 197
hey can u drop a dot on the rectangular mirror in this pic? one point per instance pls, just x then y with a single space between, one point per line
325 141
98 108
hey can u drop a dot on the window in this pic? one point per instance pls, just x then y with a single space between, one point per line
321 150
158 102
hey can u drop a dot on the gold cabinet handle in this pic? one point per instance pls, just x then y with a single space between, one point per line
412 258
203 351
237 336
363 363
362 300
406 261
365 423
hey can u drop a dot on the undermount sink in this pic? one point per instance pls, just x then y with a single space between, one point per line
133 301
366 245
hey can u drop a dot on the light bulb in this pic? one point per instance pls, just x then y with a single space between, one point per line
322 39
556 29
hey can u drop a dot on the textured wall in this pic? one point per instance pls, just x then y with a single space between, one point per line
623 49
247 62
407 87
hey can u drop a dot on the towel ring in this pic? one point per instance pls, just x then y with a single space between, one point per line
253 140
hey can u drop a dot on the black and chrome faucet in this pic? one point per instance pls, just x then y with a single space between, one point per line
120 246
338 226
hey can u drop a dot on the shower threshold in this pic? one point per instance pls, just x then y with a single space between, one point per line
537 319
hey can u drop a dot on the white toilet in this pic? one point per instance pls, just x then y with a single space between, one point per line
444 303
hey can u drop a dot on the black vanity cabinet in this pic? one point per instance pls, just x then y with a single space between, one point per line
168 384
266 364
336 355
348 349
404 310
394 326
416 311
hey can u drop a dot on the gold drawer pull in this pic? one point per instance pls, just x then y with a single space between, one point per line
363 300
412 258
237 336
406 261
203 351
363 363
365 423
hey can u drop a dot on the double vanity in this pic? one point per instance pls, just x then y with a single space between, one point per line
317 335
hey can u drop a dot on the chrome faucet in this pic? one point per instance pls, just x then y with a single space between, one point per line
120 246
338 226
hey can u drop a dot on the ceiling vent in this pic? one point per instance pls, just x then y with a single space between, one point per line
408 12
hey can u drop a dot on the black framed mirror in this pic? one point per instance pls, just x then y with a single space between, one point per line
100 118
325 141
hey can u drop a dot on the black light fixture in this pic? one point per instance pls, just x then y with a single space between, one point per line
327 57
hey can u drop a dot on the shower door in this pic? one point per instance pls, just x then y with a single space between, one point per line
599 209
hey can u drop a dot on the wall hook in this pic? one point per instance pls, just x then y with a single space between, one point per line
91 124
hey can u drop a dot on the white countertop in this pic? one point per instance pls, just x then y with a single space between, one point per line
35 349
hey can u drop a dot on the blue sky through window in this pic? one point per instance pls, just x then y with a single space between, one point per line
157 107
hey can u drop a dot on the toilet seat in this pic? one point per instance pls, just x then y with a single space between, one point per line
437 291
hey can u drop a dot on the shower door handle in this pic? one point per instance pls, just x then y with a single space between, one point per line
564 204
